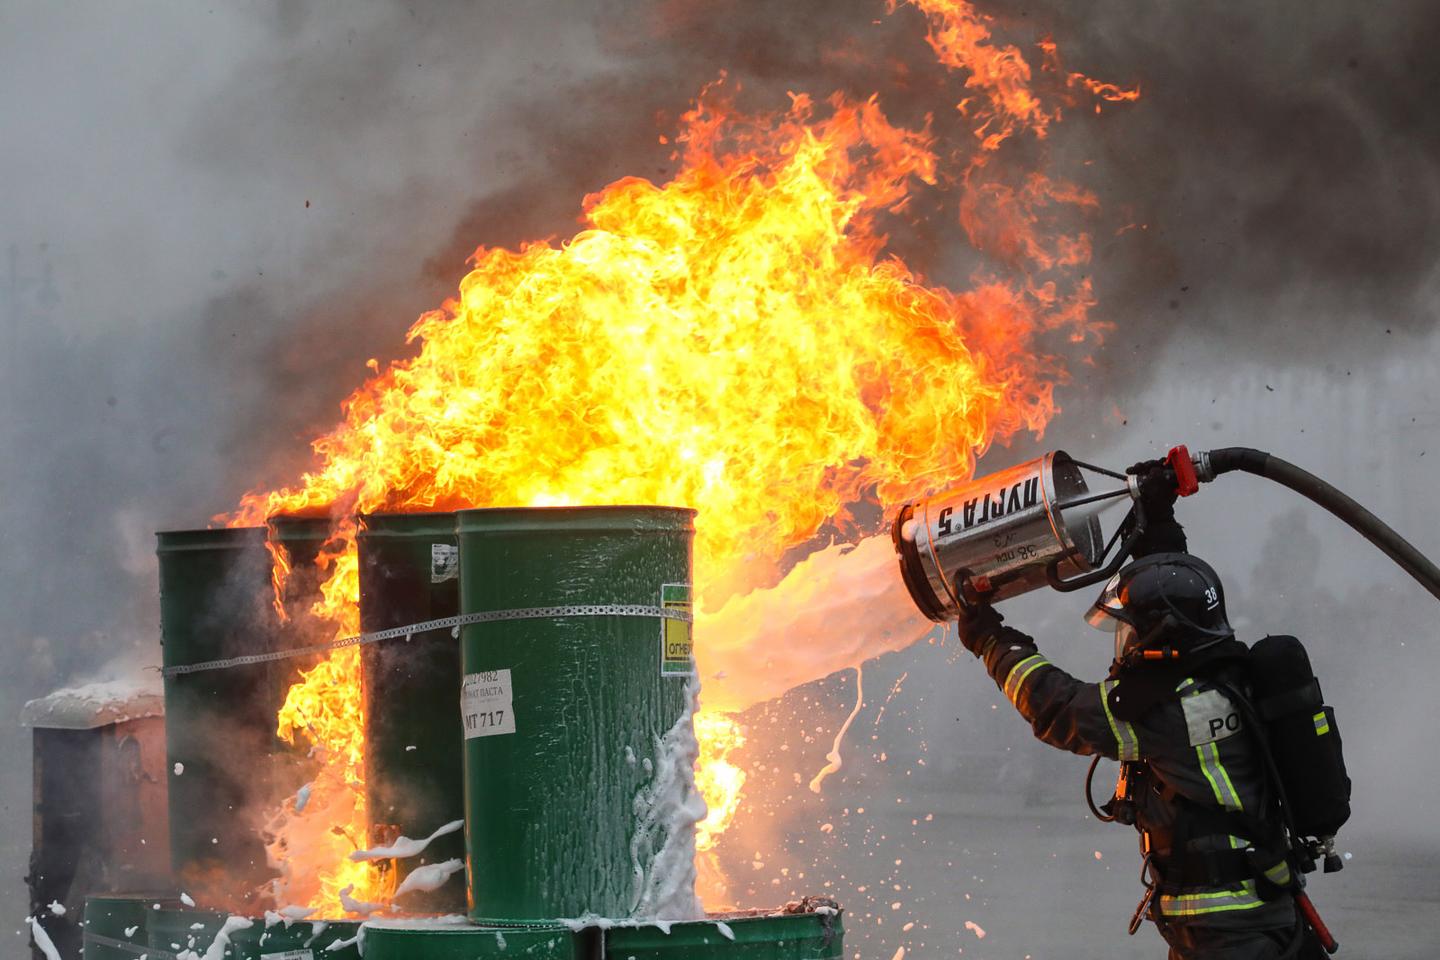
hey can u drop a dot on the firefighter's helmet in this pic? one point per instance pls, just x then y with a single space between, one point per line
1171 604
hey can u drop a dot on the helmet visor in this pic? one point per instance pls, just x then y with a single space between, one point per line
1107 612
1124 636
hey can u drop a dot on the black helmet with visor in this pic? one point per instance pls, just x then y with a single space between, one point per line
1169 603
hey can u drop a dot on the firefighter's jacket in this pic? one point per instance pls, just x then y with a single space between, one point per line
1191 756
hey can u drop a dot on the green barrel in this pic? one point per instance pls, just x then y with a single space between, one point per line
563 715
215 602
788 936
409 573
173 931
398 940
114 920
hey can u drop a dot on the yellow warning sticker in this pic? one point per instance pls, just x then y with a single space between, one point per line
677 648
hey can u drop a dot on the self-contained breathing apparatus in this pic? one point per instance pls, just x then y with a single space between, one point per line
1278 702
1039 523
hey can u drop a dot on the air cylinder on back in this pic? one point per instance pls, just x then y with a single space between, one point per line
996 536
409 573
572 718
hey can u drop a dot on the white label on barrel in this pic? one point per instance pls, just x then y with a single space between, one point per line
444 562
487 707
289 955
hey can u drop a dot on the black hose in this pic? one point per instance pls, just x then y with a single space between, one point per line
1090 796
1311 487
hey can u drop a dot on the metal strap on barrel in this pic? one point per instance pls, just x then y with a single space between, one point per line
125 946
444 623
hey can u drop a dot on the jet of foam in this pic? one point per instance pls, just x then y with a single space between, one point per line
837 608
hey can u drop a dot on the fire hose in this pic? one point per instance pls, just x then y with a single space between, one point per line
1208 466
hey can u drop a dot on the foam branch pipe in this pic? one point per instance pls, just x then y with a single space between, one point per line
1211 464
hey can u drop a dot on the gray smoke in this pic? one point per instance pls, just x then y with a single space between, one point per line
211 217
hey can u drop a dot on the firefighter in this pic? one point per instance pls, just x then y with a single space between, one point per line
1193 781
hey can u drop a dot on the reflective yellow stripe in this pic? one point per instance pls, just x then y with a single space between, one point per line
1218 901
1214 770
1322 724
1209 754
1016 678
1127 744
1279 874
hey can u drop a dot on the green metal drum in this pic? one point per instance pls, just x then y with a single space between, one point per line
564 714
429 940
797 936
409 572
111 922
174 931
215 602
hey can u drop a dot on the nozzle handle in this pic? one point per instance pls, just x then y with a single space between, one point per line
1312 918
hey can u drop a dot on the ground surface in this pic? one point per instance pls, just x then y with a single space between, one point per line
1029 877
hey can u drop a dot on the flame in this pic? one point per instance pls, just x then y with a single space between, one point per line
718 779
735 339
326 708
279 573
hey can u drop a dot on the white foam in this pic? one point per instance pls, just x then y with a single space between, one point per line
361 907
404 846
42 939
667 809
429 877
221 943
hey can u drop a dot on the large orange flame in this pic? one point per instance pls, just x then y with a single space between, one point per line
734 339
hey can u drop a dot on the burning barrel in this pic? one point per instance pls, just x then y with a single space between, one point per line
409 573
215 594
576 711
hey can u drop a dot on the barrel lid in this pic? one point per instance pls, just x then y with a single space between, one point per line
724 929
636 517
96 705
147 900
454 923
291 528
453 937
427 524
210 538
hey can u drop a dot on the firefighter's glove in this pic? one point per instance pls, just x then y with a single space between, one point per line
979 626
1158 493
1158 488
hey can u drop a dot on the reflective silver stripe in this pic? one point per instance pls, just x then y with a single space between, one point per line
1127 744
444 623
1196 904
1016 677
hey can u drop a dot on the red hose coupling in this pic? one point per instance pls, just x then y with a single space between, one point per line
1186 482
